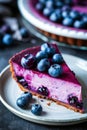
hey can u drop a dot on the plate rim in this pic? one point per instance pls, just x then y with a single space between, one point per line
36 119
45 26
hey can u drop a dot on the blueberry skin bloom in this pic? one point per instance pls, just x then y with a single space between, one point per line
57 58
7 39
43 65
55 70
28 61
24 32
27 95
36 109
67 21
22 102
40 55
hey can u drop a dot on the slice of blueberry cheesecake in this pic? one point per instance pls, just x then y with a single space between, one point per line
43 71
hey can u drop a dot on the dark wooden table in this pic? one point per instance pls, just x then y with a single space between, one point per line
9 121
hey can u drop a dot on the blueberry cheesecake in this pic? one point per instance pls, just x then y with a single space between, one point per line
63 20
43 72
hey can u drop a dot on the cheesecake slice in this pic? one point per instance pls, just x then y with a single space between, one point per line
47 76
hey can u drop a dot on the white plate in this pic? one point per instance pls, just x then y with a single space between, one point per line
53 114
39 22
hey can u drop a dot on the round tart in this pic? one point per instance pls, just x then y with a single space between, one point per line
58 31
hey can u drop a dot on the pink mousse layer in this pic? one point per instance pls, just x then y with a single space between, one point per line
59 88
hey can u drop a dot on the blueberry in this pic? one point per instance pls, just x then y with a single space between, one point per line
22 102
7 39
43 65
41 54
36 109
49 4
72 100
47 11
66 8
57 58
39 6
75 14
42 1
44 47
55 17
59 4
55 70
65 14
24 32
28 61
67 21
79 24
84 18
43 90
79 105
6 29
23 82
68 2
27 95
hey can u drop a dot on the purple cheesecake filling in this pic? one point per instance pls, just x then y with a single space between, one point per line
55 85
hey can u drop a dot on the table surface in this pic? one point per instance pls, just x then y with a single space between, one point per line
9 121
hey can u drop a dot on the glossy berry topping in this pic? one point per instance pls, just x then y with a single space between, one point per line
36 109
23 82
55 70
39 6
43 90
22 102
43 65
57 58
28 61
47 11
79 24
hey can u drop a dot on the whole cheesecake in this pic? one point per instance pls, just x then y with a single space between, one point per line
62 20
47 76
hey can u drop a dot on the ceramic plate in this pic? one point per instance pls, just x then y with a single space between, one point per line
53 114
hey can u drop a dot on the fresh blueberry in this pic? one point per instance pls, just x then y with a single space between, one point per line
24 32
44 47
79 105
84 18
39 6
66 8
6 29
75 14
43 90
28 61
22 102
65 14
57 58
55 70
27 95
41 54
7 39
67 21
42 1
55 17
36 109
72 100
79 24
59 4
68 2
47 11
43 65
49 4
